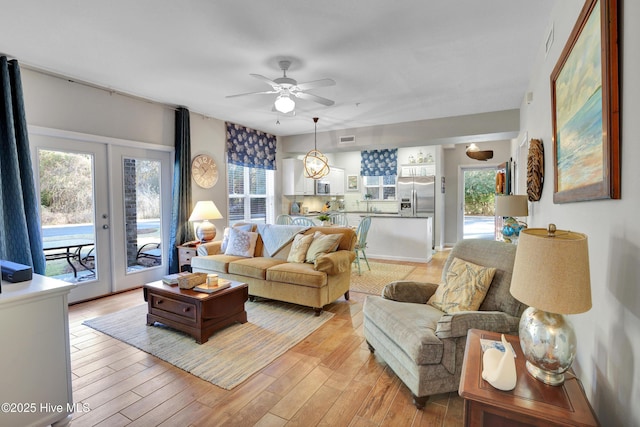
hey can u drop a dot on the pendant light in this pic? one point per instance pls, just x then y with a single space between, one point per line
316 164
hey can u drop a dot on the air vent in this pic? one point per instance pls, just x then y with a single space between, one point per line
347 139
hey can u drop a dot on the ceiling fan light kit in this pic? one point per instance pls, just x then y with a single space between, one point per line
284 104
288 88
316 164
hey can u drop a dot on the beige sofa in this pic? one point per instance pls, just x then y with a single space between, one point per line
271 276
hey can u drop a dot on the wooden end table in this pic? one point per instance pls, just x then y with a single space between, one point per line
531 403
198 314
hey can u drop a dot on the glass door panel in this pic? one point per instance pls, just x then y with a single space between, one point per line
141 183
75 222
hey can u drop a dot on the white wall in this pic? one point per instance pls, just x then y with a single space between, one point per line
60 104
608 360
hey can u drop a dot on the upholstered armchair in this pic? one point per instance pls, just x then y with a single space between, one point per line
423 345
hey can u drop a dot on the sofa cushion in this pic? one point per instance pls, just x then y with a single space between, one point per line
225 234
465 287
411 326
297 274
299 248
241 243
322 244
218 262
253 267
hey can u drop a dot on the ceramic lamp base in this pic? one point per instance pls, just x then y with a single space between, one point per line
206 231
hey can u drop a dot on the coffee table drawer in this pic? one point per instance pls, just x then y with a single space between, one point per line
180 308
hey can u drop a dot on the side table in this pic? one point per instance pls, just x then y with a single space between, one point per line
531 403
185 253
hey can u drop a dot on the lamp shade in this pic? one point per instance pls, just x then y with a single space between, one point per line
512 205
551 271
205 210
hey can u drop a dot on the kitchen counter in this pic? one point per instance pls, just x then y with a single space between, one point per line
400 238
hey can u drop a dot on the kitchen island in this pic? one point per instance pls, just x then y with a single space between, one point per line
400 238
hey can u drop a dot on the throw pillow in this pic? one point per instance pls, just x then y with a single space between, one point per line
322 244
241 243
225 235
464 289
299 247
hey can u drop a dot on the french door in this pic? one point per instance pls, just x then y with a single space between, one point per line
103 215
476 217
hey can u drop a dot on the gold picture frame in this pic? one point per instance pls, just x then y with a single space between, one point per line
585 108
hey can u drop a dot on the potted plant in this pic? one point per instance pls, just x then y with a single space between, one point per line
325 219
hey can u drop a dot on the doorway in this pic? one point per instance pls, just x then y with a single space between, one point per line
102 212
477 204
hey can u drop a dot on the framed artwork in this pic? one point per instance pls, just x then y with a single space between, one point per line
352 183
585 108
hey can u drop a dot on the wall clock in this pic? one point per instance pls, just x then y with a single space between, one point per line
204 171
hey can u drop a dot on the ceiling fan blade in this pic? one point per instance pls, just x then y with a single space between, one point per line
315 98
316 83
252 93
270 82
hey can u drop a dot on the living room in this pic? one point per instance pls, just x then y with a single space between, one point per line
608 356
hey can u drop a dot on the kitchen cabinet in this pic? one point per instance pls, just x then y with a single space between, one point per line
294 183
336 180
399 238
35 358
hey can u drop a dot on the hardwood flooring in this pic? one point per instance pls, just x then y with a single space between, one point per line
329 379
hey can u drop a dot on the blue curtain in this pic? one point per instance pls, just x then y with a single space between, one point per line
379 162
251 148
181 230
20 238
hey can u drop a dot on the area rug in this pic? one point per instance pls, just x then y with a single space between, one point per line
231 355
372 282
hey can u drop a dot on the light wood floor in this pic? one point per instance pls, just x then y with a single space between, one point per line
329 379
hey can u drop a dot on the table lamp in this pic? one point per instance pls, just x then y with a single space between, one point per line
510 207
551 276
204 211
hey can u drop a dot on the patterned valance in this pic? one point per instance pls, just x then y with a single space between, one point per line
379 162
250 147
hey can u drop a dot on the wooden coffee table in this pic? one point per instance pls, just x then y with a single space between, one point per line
198 314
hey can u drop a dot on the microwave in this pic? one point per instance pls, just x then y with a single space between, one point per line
322 187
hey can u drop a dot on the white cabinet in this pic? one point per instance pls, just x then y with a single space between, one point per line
294 182
336 180
36 367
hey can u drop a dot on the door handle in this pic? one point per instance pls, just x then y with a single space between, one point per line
105 226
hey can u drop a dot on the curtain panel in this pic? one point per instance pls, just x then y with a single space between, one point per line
250 148
379 162
181 230
20 237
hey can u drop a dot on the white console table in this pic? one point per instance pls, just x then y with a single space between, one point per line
35 366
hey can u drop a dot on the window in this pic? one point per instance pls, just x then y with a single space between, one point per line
250 194
379 187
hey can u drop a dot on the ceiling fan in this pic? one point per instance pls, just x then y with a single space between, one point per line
286 88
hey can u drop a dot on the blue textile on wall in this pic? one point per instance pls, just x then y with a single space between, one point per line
379 162
250 148
20 238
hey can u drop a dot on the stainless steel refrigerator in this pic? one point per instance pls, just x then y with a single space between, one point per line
416 195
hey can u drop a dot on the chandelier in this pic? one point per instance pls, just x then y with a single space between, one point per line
316 164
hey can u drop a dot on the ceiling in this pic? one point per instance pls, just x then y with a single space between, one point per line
392 62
